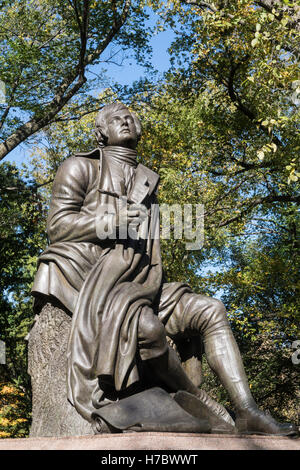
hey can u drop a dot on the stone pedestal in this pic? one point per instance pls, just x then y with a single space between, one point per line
154 441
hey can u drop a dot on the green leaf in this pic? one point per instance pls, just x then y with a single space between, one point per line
260 154
274 147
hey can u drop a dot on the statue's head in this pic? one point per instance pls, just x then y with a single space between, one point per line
116 125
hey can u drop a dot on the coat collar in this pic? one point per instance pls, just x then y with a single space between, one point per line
146 180
92 154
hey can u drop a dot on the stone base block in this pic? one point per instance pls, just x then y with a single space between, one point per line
154 441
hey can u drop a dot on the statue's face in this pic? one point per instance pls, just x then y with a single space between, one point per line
121 130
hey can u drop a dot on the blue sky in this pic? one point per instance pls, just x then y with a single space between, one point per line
130 71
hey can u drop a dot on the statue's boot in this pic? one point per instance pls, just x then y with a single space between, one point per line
255 421
223 356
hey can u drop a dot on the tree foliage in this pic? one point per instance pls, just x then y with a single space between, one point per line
48 49
22 236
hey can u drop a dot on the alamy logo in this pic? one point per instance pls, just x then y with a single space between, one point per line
180 221
2 93
296 354
2 353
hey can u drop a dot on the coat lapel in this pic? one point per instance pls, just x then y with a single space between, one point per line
145 183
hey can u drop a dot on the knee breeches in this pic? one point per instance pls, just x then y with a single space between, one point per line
196 314
193 315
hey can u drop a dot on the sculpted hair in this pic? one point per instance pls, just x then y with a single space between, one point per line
104 113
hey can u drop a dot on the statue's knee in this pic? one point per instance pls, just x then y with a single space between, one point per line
210 315
219 308
217 315
152 341
150 328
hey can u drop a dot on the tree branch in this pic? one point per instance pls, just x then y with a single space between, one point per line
235 98
83 28
62 96
258 201
77 118
202 5
294 12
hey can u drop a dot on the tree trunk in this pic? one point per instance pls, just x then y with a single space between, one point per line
52 414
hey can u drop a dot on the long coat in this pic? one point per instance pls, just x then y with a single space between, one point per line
104 283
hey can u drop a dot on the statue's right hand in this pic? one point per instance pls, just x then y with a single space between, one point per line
133 214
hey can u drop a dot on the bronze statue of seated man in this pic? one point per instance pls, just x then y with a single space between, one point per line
123 310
